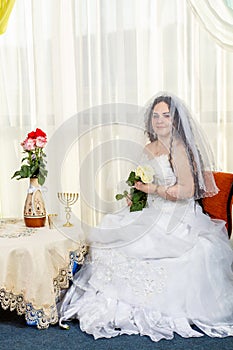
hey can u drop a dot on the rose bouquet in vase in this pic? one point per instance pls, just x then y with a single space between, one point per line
145 174
34 161
34 167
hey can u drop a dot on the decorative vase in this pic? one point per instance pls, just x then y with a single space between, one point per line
34 207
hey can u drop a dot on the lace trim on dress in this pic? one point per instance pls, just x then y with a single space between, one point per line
112 264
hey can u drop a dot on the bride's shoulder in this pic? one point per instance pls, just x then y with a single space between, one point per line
178 146
149 149
150 146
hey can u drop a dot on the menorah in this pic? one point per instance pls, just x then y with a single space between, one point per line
67 199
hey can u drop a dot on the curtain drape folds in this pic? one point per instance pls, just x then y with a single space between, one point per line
6 7
217 19
82 70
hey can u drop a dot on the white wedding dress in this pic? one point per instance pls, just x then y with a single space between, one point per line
165 269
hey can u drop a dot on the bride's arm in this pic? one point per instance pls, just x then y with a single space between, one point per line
184 187
162 191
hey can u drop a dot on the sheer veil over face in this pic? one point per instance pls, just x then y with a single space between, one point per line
186 130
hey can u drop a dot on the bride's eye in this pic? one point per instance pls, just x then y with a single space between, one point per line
157 115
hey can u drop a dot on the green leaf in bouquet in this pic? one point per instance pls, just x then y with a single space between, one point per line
34 169
119 196
136 197
43 171
17 173
25 171
131 179
41 179
137 206
137 178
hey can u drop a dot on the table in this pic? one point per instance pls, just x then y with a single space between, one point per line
36 265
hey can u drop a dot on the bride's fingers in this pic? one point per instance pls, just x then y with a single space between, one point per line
129 202
138 185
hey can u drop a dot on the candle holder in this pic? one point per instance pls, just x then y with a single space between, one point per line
51 220
67 199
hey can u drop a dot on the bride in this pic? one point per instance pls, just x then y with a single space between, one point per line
165 268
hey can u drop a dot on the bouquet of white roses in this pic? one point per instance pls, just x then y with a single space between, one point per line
145 174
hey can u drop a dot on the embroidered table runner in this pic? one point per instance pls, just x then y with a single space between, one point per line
36 263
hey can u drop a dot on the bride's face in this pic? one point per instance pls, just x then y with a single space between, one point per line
161 120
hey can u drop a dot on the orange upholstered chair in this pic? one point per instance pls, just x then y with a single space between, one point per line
220 206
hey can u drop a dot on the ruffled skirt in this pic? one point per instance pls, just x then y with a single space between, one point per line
154 273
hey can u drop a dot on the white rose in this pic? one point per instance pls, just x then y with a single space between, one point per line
145 172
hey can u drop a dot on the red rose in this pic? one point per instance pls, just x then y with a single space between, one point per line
32 135
39 132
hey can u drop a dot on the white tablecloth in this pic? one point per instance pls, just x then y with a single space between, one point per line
35 265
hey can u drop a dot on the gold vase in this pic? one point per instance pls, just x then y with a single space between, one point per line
34 207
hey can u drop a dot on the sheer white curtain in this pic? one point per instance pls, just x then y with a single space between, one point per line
78 69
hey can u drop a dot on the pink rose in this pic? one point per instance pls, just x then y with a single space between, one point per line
41 141
28 144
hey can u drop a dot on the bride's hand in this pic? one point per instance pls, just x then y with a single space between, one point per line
147 188
128 200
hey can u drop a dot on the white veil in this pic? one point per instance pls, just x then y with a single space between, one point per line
197 147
